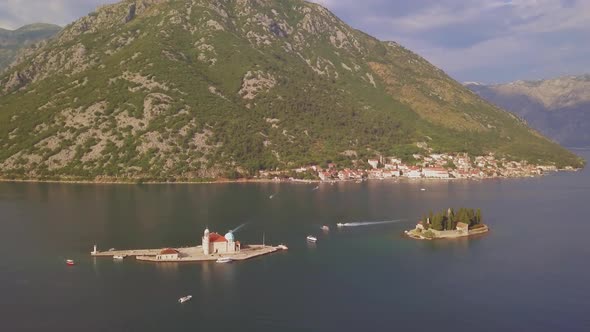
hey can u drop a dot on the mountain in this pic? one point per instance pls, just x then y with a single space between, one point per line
166 89
558 108
12 41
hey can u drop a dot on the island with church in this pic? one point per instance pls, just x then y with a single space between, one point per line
214 247
449 225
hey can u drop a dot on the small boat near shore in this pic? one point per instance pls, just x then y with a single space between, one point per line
340 224
70 262
185 298
312 239
224 260
119 257
282 247
325 228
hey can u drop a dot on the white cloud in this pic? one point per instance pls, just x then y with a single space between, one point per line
551 16
16 13
443 14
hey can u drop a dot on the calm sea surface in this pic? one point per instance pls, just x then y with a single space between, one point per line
530 273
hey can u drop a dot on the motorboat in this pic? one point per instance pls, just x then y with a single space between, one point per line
119 257
185 298
325 228
282 247
422 189
224 260
340 224
312 239
70 262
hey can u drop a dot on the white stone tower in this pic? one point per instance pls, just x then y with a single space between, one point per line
206 241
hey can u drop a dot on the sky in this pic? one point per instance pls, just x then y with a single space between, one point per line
488 41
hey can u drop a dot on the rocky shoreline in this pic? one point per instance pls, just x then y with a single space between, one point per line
438 235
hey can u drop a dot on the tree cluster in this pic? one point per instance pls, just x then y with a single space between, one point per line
448 220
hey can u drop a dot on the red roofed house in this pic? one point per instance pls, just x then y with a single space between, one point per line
214 243
324 176
168 254
435 172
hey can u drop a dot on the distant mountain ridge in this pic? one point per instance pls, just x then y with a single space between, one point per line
12 41
170 89
559 107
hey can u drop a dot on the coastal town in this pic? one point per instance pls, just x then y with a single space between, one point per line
424 166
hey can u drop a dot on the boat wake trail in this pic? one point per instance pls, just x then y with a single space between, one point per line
369 223
239 227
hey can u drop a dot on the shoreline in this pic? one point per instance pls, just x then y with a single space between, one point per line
448 235
190 254
295 181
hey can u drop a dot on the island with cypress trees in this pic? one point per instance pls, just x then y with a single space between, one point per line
449 224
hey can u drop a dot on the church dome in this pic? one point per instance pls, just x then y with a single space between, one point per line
229 236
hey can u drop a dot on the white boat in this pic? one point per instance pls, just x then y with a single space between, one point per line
282 247
423 189
340 224
185 298
224 260
312 239
325 228
119 257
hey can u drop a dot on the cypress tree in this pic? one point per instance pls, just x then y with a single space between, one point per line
437 223
452 219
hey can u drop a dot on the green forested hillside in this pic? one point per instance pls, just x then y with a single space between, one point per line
198 89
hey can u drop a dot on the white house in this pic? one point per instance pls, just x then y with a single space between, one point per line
395 161
373 162
413 173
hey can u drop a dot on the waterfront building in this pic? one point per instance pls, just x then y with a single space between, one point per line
463 227
168 254
414 173
214 243
324 176
435 172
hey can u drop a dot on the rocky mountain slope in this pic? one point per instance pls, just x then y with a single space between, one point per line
12 41
165 89
559 108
